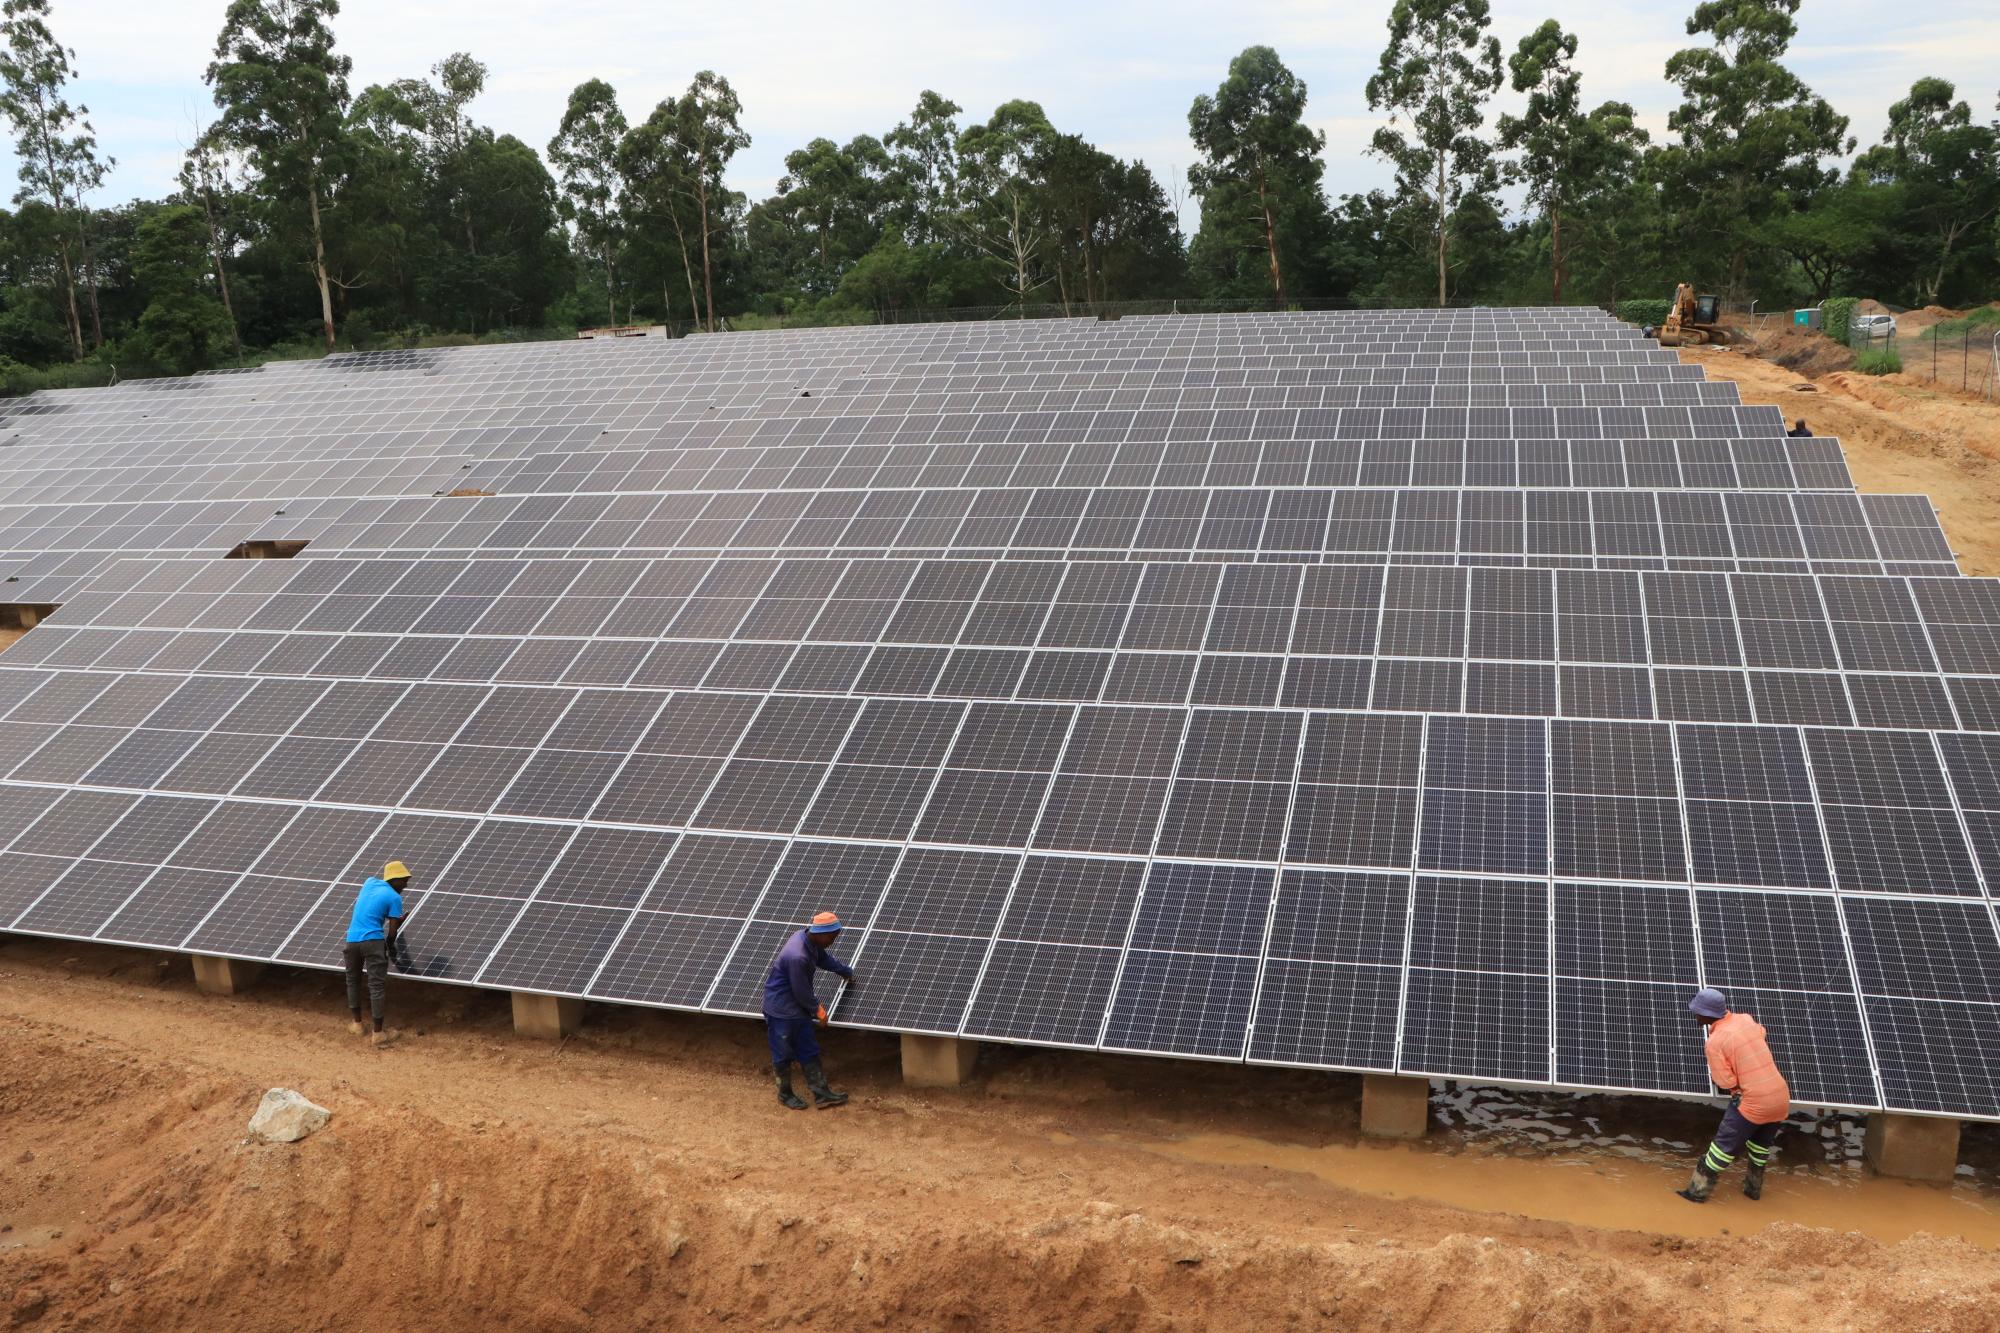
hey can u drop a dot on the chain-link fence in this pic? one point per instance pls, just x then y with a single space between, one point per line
1955 354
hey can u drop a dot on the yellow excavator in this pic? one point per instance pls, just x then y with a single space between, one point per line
1694 321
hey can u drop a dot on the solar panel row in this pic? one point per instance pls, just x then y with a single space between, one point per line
1322 809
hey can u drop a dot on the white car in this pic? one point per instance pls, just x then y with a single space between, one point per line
1871 326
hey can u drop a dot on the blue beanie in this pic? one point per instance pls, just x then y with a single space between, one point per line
1708 1002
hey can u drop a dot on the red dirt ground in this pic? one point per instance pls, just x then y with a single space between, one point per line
641 1176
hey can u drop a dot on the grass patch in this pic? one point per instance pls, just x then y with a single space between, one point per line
1983 320
1878 361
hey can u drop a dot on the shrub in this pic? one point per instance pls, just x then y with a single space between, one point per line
1645 310
1835 314
17 379
1878 361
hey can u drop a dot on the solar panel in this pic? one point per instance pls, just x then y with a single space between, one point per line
1427 692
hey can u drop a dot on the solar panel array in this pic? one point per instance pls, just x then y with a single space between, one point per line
1432 692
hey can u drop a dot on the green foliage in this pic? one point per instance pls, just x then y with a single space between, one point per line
1646 310
1832 240
923 170
17 379
183 328
1835 313
1878 361
1945 169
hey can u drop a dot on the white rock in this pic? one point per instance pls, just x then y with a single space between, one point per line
286 1117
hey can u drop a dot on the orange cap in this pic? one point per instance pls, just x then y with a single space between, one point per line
825 923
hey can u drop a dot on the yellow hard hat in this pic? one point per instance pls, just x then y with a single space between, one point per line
395 870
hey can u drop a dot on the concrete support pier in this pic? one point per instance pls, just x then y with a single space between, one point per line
225 976
937 1062
1911 1147
550 1017
1394 1107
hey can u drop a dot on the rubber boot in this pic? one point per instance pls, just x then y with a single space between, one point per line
786 1097
822 1094
1753 1182
1700 1185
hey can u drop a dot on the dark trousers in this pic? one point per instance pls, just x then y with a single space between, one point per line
1734 1134
791 1039
370 957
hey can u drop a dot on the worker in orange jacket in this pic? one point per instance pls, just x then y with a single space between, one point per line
1740 1063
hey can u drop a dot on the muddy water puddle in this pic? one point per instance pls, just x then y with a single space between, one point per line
1620 1194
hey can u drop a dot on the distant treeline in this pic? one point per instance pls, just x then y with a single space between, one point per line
309 215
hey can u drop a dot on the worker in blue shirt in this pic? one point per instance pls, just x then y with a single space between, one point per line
371 936
791 1009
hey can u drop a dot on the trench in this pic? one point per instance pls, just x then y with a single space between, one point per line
1611 1192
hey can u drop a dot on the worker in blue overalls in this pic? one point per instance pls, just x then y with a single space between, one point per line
791 1009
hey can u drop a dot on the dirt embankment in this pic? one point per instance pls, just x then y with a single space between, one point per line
641 1176
1899 436
1804 352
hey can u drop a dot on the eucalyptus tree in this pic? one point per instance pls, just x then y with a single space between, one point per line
207 180
282 91
1436 75
709 130
999 210
585 153
54 144
1754 138
1568 160
1260 166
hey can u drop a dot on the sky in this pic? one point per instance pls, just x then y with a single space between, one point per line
1121 75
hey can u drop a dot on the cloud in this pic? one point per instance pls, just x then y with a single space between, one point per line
1119 74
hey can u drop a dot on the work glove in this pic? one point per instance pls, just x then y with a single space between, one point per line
820 1017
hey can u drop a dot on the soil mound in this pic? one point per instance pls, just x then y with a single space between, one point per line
1806 351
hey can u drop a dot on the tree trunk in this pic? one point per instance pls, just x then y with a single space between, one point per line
69 290
611 283
1443 231
707 273
687 265
1270 233
62 247
319 262
89 279
1936 284
1020 258
1556 247
221 272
